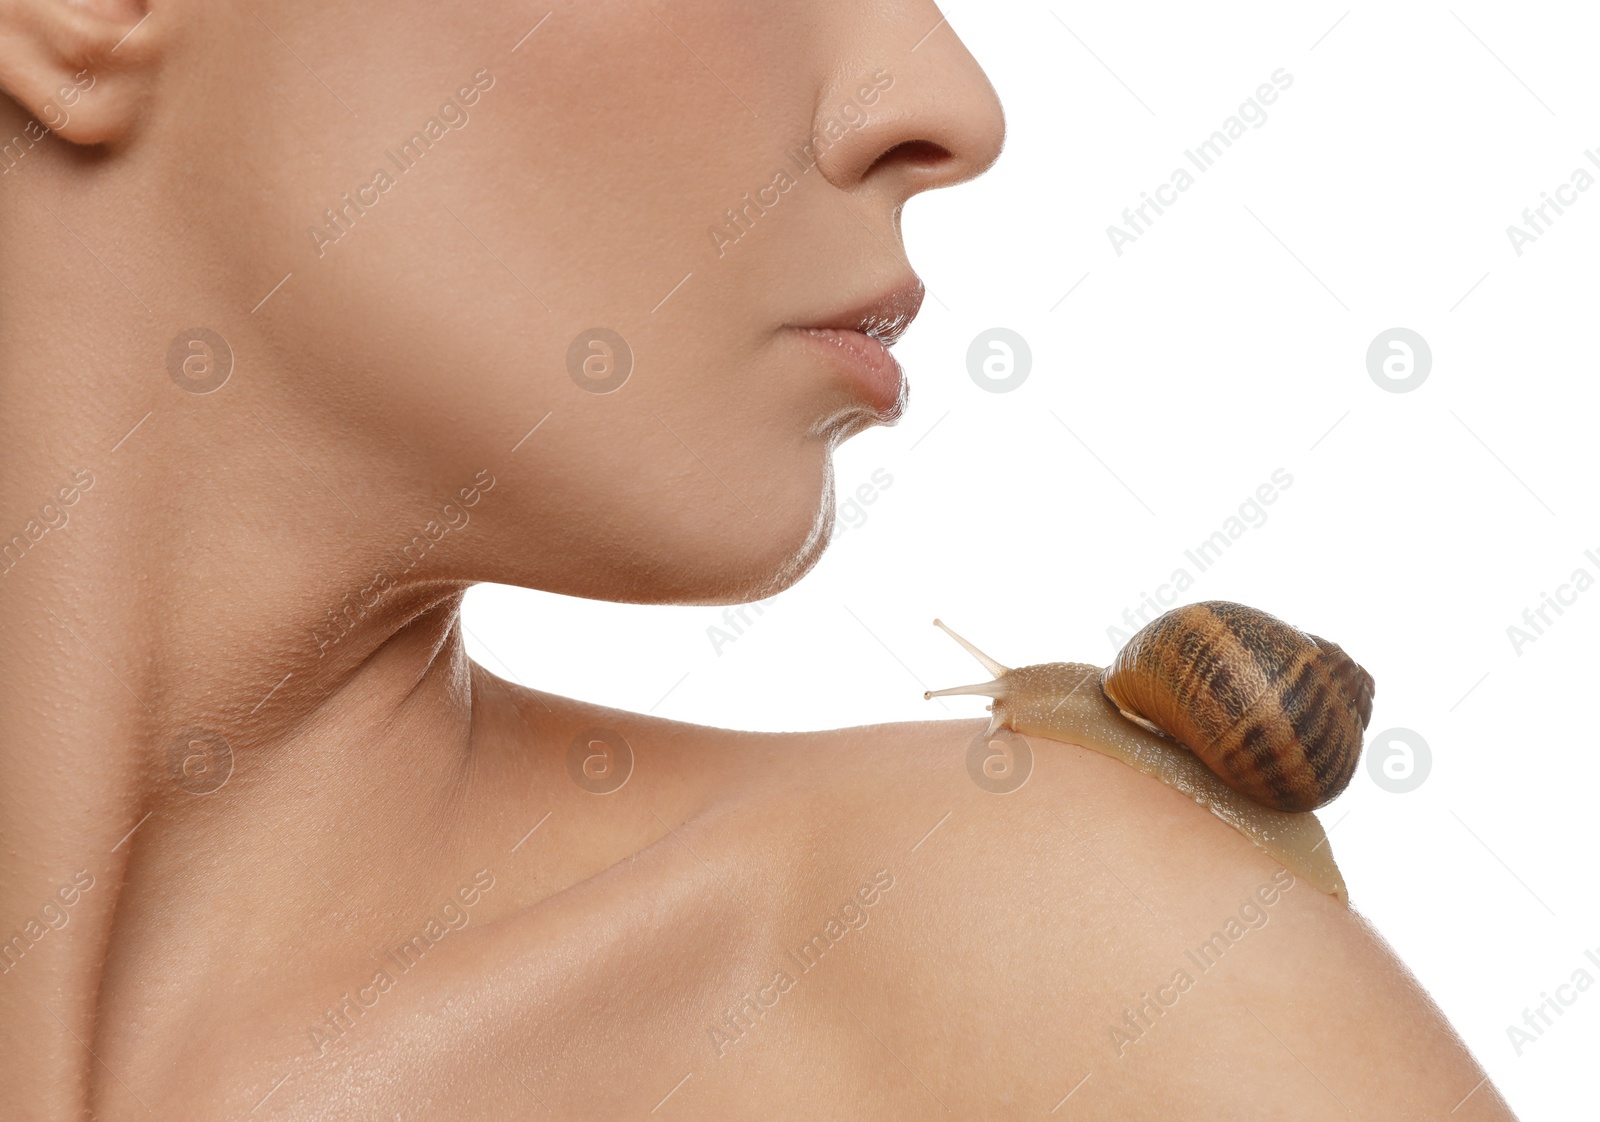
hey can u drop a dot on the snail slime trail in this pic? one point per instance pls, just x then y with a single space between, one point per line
1256 720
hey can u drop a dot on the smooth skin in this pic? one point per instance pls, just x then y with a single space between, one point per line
214 576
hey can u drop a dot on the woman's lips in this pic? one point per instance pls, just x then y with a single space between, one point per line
874 371
857 341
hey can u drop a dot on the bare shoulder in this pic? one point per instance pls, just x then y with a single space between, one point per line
889 922
1047 928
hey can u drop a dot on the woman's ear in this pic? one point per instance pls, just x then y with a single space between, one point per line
80 67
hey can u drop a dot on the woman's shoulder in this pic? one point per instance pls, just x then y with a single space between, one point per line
998 925
1013 920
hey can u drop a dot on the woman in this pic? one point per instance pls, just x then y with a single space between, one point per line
314 318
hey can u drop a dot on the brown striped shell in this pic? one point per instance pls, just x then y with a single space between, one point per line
1278 714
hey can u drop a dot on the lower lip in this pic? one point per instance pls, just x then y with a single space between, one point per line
871 366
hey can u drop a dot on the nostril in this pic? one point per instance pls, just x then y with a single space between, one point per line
917 153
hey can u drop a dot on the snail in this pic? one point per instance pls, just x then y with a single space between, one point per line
1251 717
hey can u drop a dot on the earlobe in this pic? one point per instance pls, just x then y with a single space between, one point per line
80 67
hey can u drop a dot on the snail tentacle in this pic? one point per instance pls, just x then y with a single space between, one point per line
989 664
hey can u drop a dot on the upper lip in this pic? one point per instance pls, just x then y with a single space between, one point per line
885 317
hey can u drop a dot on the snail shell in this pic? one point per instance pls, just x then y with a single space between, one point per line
1278 714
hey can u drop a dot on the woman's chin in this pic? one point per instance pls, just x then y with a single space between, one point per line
776 553
781 565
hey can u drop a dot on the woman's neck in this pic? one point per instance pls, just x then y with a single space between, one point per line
181 675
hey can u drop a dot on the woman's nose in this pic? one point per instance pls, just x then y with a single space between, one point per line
933 121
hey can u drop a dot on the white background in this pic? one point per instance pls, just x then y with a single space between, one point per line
1228 341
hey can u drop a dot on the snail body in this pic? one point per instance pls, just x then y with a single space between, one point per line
1243 713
